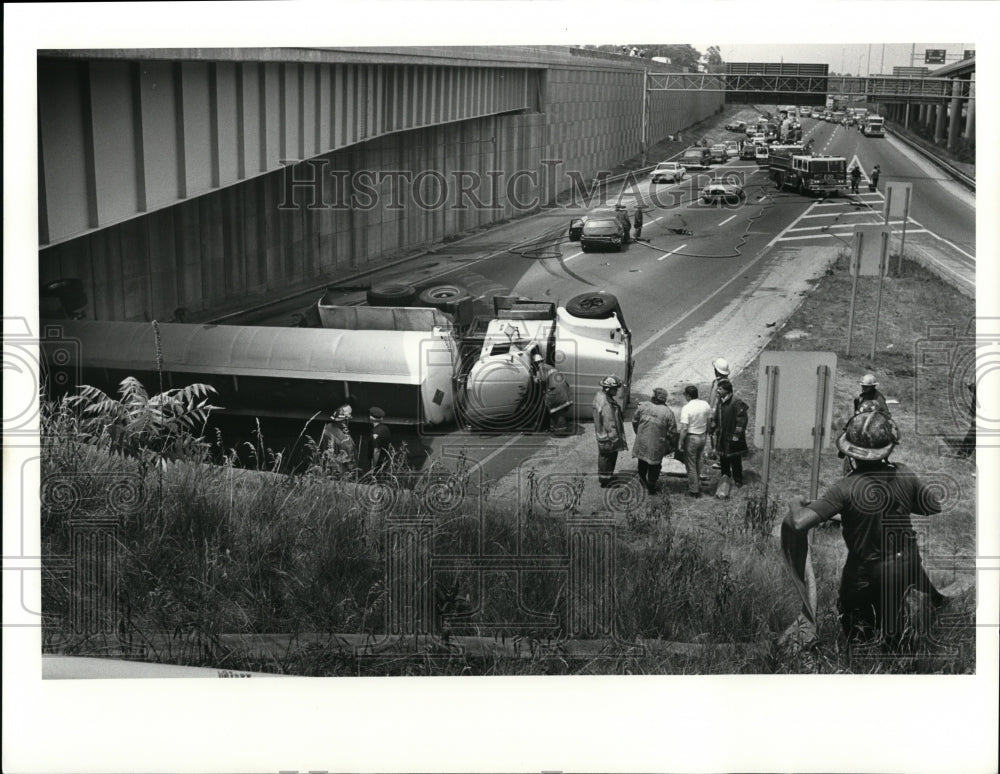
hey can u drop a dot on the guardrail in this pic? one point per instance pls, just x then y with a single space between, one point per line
961 177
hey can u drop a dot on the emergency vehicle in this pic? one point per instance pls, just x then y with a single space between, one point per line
873 126
792 168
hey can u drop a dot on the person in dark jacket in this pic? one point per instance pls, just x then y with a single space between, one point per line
558 399
609 429
637 223
655 436
875 175
336 444
729 427
380 446
875 502
855 178
869 391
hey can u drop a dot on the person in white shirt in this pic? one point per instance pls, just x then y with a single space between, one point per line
695 416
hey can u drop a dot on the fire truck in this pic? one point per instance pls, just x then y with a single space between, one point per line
797 170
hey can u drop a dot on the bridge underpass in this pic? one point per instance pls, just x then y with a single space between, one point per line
165 176
944 100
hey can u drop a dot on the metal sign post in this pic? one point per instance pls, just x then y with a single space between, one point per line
859 238
902 239
897 205
819 426
645 115
771 392
881 278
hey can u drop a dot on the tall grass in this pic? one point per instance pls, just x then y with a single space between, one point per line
207 551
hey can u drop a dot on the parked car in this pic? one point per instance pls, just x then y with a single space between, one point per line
727 193
667 172
718 152
736 126
732 149
696 158
605 228
748 151
576 229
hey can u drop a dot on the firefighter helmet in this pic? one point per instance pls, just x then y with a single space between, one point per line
537 357
868 380
869 435
610 383
721 366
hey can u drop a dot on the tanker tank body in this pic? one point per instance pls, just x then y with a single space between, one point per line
291 373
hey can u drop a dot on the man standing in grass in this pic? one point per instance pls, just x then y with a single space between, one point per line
730 428
381 441
875 502
695 416
336 443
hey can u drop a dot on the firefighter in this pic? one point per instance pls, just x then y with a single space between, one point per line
609 429
875 502
869 391
855 178
336 444
558 400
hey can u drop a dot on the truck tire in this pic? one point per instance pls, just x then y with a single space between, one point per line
391 294
443 297
596 305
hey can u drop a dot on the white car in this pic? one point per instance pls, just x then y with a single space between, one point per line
732 149
667 172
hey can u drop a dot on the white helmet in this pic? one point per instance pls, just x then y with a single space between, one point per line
610 382
721 365
537 357
868 380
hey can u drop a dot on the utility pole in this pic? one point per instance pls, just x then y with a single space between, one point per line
869 71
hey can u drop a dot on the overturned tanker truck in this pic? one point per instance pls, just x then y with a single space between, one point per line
423 366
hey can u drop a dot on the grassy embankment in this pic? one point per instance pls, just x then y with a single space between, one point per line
207 552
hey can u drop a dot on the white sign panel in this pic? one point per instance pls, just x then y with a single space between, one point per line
867 263
897 200
795 383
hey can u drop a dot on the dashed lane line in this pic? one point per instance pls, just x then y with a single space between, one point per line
726 220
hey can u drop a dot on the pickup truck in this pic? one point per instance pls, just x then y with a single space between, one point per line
422 365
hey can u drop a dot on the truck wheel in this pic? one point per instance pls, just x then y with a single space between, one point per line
391 294
443 297
597 305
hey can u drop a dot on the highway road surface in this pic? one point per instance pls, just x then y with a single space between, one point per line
670 283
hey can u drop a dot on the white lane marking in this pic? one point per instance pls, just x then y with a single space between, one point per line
655 219
574 255
665 255
736 277
846 225
788 228
825 235
837 215
946 241
726 220
495 452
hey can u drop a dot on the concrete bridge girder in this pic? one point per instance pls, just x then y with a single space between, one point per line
162 187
